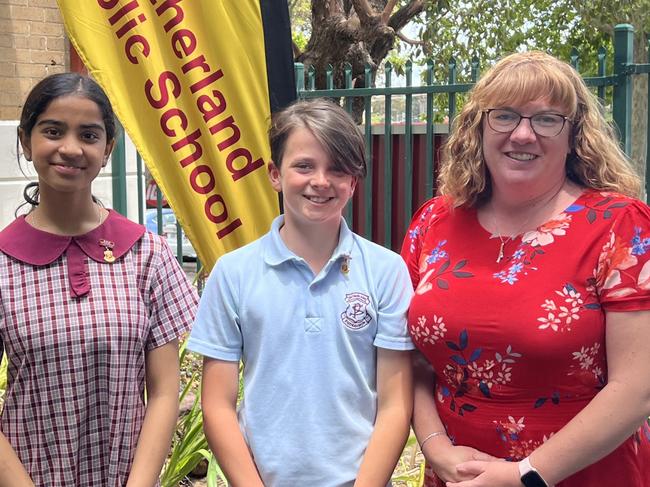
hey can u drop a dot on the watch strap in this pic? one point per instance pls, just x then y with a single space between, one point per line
529 475
524 466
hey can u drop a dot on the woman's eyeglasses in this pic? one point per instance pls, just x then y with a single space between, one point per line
543 124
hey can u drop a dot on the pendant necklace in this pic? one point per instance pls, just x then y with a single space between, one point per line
503 241
503 244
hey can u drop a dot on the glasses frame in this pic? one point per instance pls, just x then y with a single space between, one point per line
565 119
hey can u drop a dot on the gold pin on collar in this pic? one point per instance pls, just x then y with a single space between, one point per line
345 265
108 252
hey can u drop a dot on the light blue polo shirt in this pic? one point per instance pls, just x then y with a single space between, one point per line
308 347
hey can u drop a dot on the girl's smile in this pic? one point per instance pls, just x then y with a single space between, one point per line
68 144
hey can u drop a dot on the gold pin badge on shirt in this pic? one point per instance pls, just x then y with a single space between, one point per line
108 252
345 265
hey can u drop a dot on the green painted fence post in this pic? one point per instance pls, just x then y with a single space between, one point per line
367 73
622 102
118 166
140 184
300 77
388 158
647 138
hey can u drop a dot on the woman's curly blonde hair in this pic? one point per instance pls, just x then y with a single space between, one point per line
596 160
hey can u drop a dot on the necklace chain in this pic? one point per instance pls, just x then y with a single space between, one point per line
100 217
503 241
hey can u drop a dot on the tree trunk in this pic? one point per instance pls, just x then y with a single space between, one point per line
357 32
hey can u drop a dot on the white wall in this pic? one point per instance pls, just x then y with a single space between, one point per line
13 181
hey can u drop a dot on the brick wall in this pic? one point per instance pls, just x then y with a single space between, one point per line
32 45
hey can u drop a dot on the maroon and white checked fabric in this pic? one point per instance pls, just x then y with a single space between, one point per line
75 399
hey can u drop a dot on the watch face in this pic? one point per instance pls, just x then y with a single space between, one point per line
533 479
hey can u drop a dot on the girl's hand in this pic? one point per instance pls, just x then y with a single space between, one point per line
445 461
478 473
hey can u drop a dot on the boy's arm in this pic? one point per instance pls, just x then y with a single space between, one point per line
162 382
394 406
12 472
219 403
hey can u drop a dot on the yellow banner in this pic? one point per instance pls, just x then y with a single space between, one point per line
188 82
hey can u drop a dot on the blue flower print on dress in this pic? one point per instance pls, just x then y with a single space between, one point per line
531 246
416 232
437 253
413 235
639 245
510 275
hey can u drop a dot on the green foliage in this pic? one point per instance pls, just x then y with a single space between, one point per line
189 445
490 30
3 372
214 473
397 61
409 471
300 14
300 39
604 14
493 29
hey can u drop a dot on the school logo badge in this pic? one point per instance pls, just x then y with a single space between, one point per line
356 315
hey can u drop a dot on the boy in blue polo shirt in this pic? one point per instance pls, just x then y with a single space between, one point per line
317 315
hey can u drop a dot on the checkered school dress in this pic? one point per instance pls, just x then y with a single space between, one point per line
76 330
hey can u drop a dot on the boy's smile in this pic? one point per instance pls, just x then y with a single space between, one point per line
313 190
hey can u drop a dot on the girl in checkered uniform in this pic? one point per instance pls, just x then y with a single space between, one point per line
91 308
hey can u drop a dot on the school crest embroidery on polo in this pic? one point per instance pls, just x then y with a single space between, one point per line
356 315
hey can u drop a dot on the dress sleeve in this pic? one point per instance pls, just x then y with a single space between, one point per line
415 235
622 276
216 332
173 301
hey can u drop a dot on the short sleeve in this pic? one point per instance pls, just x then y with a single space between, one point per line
216 332
423 219
2 326
173 301
622 276
394 298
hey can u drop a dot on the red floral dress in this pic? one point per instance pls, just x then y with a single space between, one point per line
519 346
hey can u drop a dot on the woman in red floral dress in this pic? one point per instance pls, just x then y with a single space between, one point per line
532 292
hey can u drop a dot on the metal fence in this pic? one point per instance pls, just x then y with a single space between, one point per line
391 192
403 157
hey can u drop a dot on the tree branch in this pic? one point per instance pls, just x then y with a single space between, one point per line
295 49
363 10
320 11
404 15
410 41
385 15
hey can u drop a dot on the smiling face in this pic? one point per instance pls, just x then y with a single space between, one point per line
68 144
522 159
313 190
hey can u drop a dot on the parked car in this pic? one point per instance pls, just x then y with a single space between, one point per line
169 230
